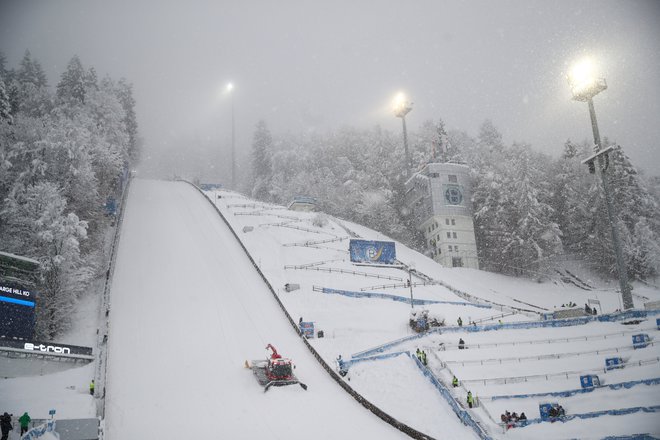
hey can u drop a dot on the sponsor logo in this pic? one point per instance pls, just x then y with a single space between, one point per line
374 254
14 291
47 348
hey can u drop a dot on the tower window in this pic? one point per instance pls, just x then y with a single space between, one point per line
454 234
453 221
453 178
448 234
446 221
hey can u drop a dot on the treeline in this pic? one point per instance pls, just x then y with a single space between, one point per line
63 152
530 210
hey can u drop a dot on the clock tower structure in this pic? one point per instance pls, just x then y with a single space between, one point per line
439 197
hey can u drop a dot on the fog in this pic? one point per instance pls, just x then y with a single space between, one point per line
313 66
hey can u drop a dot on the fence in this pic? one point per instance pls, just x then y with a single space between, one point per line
352 272
40 430
402 299
314 242
569 393
102 352
317 263
550 376
511 326
591 415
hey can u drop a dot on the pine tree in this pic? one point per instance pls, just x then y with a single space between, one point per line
71 87
5 106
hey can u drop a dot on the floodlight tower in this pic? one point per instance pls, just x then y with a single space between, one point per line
229 89
584 86
402 107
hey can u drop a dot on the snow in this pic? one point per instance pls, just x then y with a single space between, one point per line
188 308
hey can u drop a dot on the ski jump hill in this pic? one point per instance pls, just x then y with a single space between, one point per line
200 285
202 281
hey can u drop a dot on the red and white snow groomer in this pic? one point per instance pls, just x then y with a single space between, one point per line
274 371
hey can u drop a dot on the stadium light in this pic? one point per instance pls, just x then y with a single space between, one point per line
585 84
401 107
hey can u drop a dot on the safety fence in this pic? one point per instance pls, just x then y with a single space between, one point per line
403 299
104 325
352 272
316 263
630 437
309 243
569 393
468 297
260 206
559 375
462 414
448 346
310 230
494 317
413 433
40 430
592 415
395 286
511 326
544 356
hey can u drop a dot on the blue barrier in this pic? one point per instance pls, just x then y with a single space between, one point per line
568 393
630 437
403 299
515 326
347 364
462 414
592 415
40 430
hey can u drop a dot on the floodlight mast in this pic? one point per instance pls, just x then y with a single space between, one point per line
584 86
401 108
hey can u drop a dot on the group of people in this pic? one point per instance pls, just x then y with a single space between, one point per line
421 355
557 411
6 426
510 419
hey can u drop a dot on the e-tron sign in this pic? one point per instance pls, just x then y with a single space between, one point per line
46 347
378 252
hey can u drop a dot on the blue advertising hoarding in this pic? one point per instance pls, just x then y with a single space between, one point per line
366 251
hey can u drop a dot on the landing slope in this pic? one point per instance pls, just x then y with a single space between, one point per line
187 308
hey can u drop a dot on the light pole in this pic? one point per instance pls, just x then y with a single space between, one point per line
411 267
584 86
401 108
229 89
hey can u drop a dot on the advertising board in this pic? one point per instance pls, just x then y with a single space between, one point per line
375 252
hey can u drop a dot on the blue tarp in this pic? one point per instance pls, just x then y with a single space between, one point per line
568 393
403 299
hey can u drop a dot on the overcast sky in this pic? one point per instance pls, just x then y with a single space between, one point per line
305 65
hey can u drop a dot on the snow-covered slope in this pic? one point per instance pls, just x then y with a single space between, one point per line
302 248
188 309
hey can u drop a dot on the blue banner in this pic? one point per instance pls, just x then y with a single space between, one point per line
366 251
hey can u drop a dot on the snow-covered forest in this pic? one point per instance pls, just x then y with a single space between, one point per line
63 150
531 211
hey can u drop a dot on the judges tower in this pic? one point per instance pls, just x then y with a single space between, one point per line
439 197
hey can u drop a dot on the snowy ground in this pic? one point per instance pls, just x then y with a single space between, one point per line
188 309
304 254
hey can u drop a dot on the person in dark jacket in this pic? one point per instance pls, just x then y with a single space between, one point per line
461 344
5 425
24 420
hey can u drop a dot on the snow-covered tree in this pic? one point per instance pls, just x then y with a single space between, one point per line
71 87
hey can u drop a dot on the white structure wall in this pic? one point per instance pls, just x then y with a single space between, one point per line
439 197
